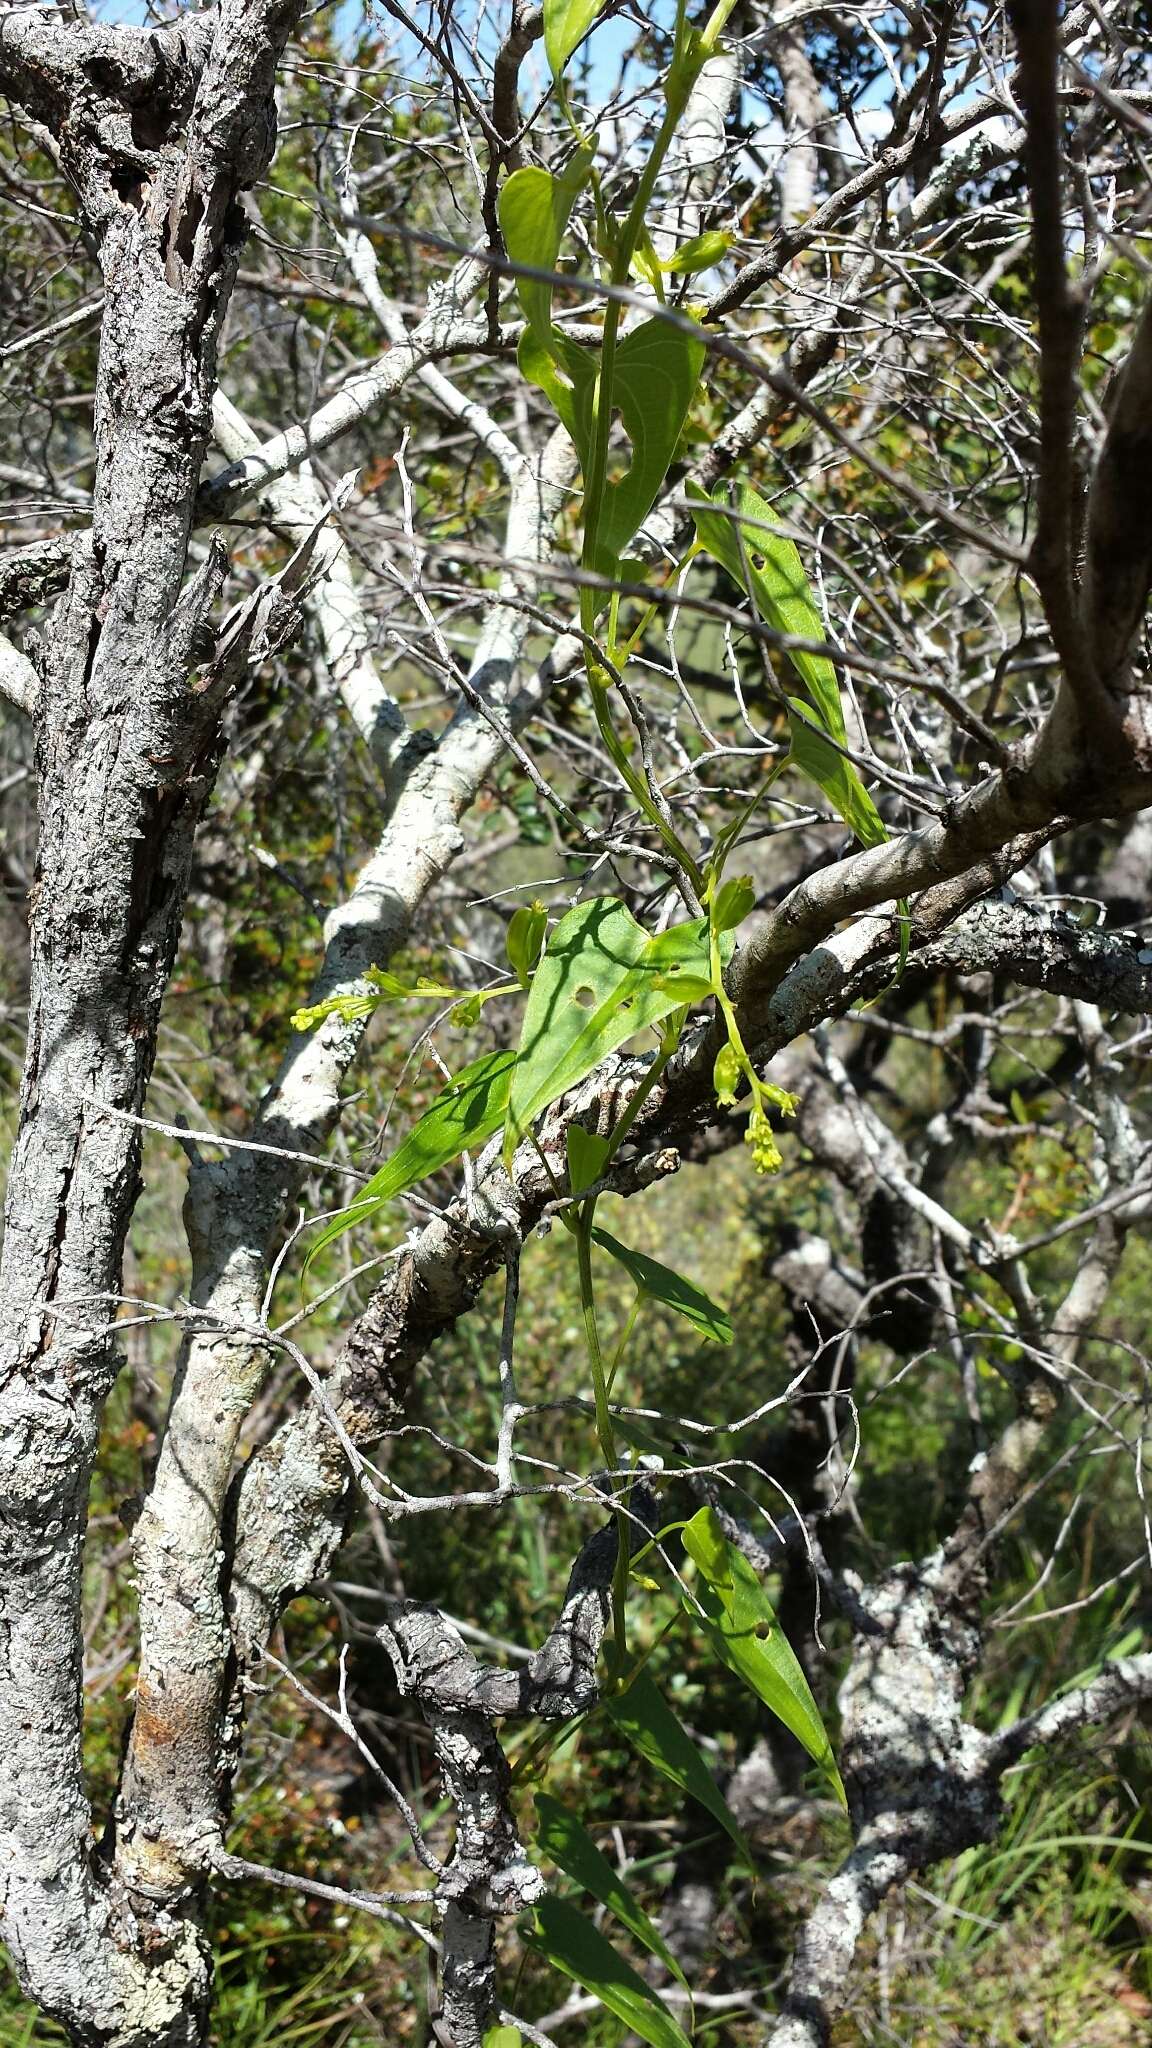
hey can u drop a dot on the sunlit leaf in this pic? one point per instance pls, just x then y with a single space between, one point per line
732 902
503 2037
646 263
534 209
699 254
645 1719
466 1114
575 1946
766 564
671 1288
743 1626
656 371
601 979
566 23
567 1841
654 380
815 757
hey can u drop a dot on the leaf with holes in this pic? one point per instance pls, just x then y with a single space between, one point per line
600 981
742 1624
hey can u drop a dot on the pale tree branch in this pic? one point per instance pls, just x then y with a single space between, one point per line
128 745
295 505
234 1209
443 331
19 681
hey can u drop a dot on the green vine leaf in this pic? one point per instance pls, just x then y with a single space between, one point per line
699 254
567 1841
767 565
645 1719
466 1114
587 1157
525 940
566 23
656 372
571 1942
655 375
601 980
834 775
741 1622
674 1290
534 209
732 902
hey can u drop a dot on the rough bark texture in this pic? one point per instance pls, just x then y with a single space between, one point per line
160 134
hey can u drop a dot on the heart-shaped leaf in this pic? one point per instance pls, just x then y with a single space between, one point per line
534 209
586 1157
566 23
655 374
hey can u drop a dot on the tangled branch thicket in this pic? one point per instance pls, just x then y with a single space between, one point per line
575 595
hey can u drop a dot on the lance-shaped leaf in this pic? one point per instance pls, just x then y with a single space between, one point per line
766 564
571 1942
819 760
534 209
601 979
466 1114
645 1719
567 1841
743 1626
661 1283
